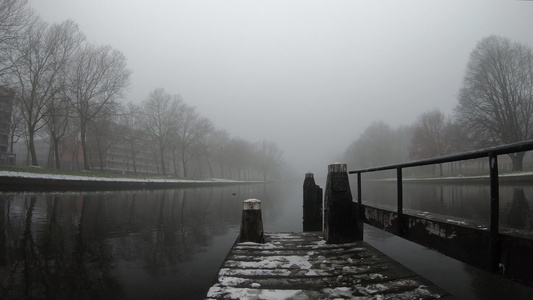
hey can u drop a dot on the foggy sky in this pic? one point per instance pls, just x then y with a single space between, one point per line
308 75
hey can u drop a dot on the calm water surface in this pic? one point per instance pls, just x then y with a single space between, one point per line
169 244
467 201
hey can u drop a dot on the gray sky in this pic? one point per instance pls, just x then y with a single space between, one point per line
308 75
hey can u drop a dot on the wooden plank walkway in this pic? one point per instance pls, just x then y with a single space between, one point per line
303 266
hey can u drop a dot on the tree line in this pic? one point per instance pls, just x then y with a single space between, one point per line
495 107
70 92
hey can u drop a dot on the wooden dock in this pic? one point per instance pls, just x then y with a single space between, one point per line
303 266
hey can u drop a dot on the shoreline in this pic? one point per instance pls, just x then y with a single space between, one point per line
502 178
33 182
482 179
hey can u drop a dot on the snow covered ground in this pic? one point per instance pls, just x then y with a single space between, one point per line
92 178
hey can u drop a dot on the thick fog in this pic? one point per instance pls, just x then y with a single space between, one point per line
308 75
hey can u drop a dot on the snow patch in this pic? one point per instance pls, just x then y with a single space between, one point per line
232 293
232 281
273 262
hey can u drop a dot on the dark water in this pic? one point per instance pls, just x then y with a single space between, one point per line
169 244
467 201
164 244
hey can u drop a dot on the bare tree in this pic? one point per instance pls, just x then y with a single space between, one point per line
38 63
14 16
221 139
206 140
57 119
431 136
496 98
97 78
237 154
132 131
269 158
17 127
160 119
374 147
103 133
71 145
403 137
187 134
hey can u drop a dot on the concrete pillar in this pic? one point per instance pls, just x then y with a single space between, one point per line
251 222
341 225
312 206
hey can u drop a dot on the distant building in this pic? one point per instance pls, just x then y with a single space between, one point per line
6 108
24 157
118 160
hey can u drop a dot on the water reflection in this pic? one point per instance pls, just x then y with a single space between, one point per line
461 280
468 201
161 244
169 244
519 211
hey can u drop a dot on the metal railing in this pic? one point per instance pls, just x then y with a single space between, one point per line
492 155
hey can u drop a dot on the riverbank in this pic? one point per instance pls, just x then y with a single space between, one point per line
480 179
13 181
503 178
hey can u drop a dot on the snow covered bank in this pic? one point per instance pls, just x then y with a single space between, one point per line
26 181
505 177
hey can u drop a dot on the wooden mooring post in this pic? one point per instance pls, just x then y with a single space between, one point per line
251 222
312 205
341 222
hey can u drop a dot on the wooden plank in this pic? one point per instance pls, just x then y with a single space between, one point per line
303 266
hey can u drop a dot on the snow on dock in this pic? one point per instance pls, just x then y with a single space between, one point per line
303 266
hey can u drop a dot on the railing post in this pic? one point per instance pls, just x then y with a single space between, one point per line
399 194
494 251
341 224
251 222
312 206
360 209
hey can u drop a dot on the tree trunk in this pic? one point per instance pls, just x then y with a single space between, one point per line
210 167
84 146
517 159
174 162
156 160
31 147
133 159
222 170
50 157
11 144
162 153
56 153
101 158
184 164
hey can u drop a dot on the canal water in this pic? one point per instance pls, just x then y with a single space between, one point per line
169 244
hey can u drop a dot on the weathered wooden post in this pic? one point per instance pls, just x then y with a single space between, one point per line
341 223
251 222
312 214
